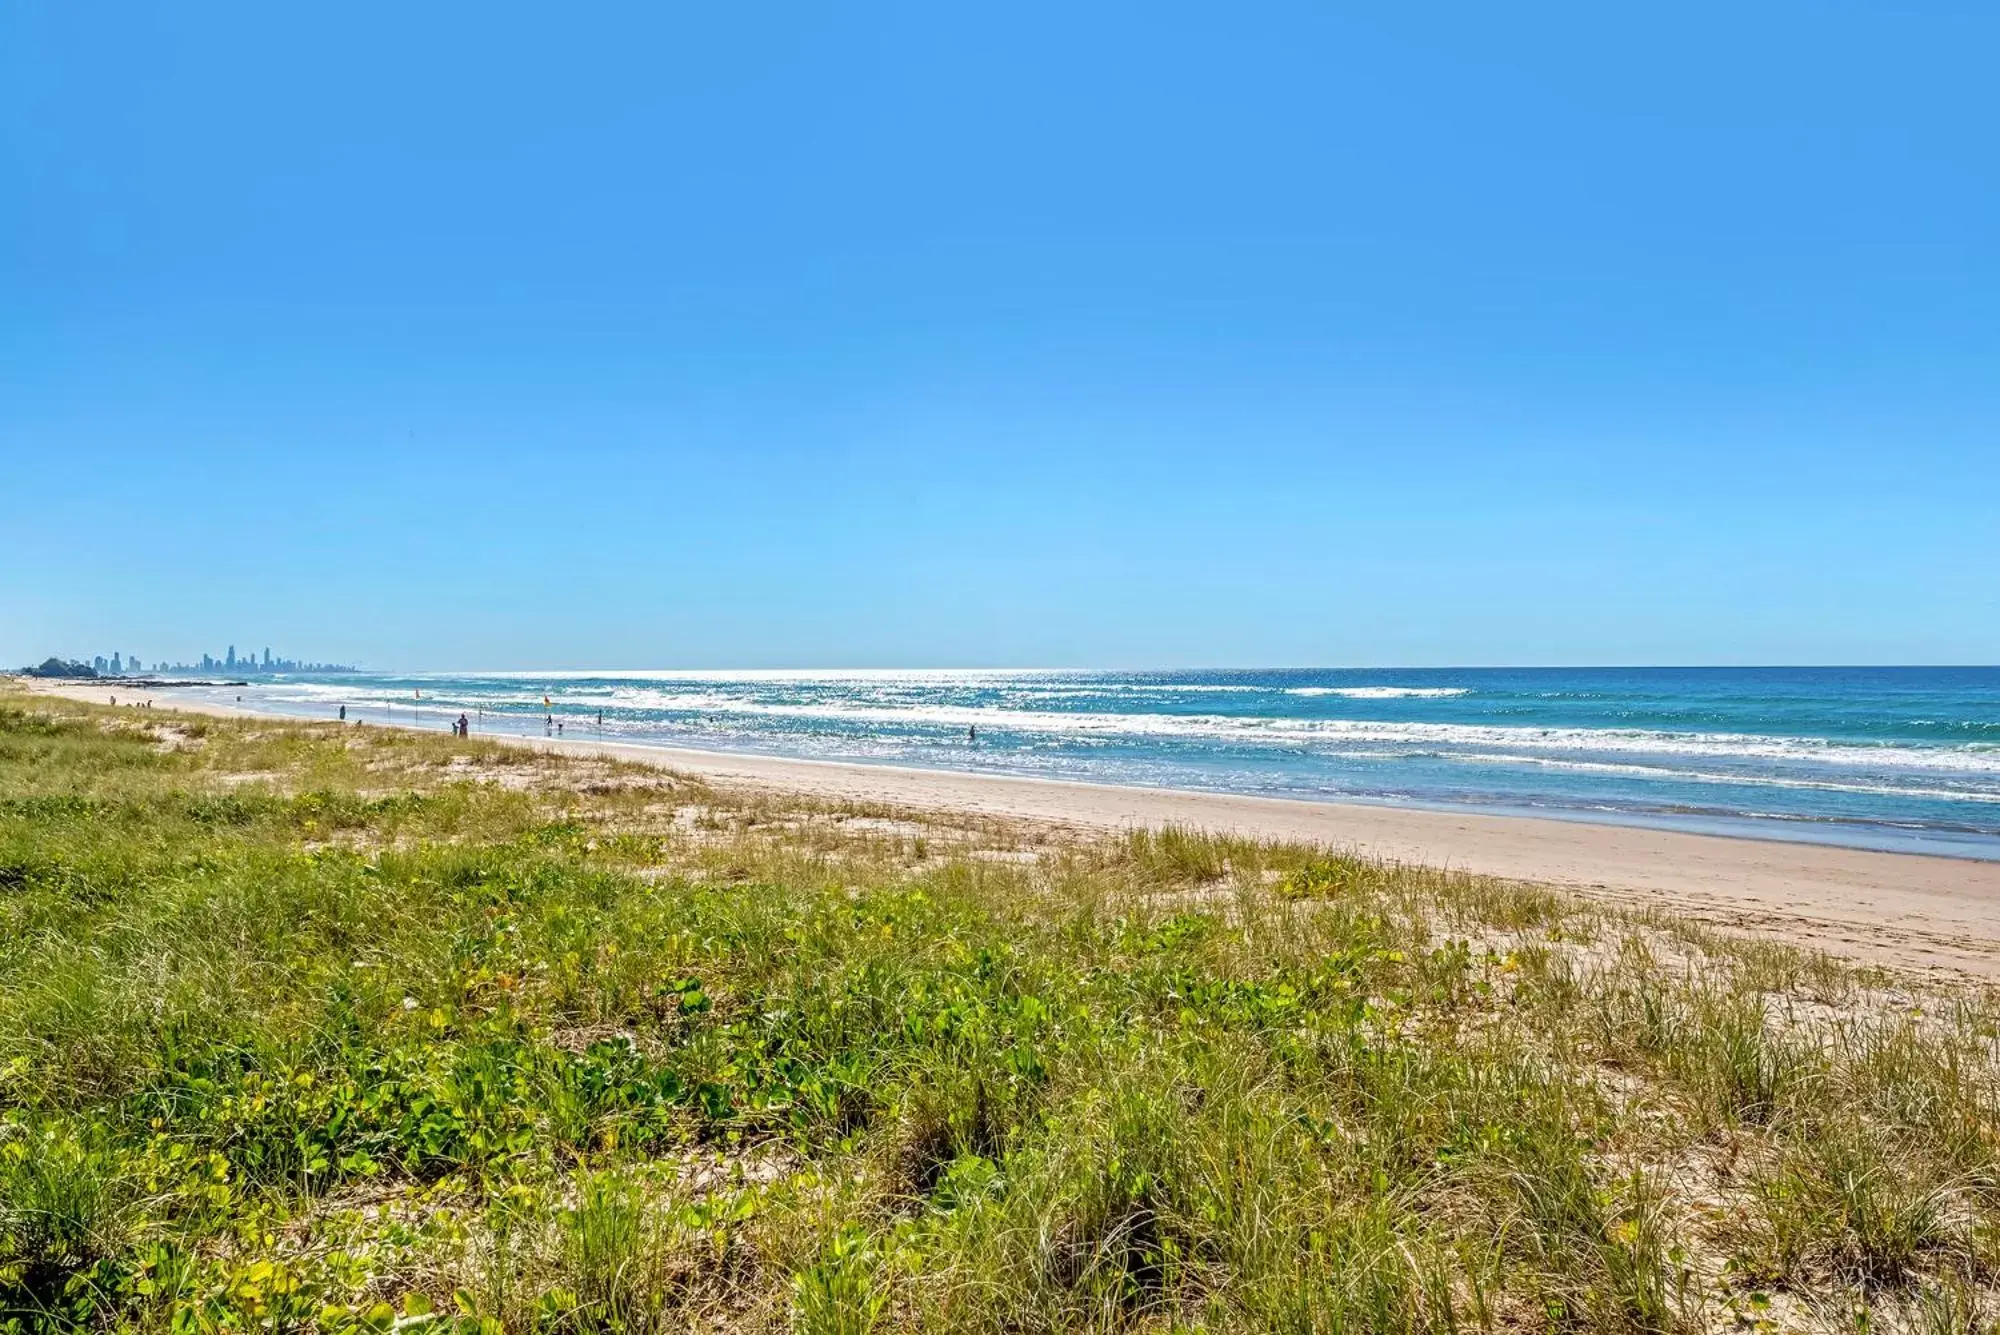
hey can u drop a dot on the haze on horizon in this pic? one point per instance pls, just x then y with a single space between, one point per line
465 337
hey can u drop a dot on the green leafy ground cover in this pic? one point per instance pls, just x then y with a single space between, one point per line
304 1027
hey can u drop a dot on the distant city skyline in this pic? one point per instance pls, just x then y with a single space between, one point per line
120 663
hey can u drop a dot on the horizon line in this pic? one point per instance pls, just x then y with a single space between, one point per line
1024 670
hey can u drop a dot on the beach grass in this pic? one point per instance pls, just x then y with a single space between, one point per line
316 1027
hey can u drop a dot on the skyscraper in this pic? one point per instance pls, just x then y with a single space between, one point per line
230 661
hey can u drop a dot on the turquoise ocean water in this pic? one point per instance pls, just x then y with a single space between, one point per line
1900 758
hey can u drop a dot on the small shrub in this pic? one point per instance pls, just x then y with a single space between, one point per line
842 1293
607 1259
60 1211
1328 877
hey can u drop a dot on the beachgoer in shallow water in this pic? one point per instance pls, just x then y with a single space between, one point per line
343 713
972 734
558 727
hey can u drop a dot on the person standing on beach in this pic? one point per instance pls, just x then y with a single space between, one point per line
343 713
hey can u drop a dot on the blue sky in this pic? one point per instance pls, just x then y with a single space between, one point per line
480 336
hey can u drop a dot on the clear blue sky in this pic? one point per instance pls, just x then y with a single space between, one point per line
489 335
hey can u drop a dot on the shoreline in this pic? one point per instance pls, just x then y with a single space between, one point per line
1910 909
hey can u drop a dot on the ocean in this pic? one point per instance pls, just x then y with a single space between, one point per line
1890 758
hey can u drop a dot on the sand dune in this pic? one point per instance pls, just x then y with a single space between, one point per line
1899 908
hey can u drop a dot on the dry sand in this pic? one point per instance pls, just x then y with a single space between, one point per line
1903 909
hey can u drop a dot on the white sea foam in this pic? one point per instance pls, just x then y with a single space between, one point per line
1134 688
1383 692
1345 731
886 703
1343 734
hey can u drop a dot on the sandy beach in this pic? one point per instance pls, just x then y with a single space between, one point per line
1904 909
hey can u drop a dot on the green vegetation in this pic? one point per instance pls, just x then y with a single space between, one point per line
57 667
347 1029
